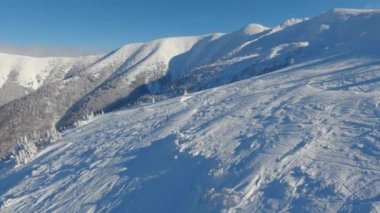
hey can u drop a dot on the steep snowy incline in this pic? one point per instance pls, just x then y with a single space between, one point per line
304 138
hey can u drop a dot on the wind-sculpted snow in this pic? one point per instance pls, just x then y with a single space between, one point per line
302 139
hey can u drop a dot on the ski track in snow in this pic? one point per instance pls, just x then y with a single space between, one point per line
305 138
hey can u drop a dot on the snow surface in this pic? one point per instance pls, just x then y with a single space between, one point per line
140 56
288 23
28 69
31 72
302 139
22 75
252 29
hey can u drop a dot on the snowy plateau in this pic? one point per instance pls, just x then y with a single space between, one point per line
283 119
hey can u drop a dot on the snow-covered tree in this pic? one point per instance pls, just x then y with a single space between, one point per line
25 150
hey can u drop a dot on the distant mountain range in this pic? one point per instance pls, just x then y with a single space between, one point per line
41 95
283 119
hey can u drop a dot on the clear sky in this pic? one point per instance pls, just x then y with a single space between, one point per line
82 26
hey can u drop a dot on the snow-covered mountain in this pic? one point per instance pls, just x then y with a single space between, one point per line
299 130
213 59
137 65
218 59
71 88
302 139
101 82
20 75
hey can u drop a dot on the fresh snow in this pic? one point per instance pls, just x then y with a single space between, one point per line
288 23
21 75
252 29
305 138
31 72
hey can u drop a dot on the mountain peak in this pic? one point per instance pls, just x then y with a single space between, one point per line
252 29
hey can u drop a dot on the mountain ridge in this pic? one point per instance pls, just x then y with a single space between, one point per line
257 120
165 68
296 139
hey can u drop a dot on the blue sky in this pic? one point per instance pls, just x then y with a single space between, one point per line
82 26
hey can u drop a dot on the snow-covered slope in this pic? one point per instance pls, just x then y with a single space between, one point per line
82 90
70 89
129 68
167 67
29 72
20 75
302 139
303 136
340 31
